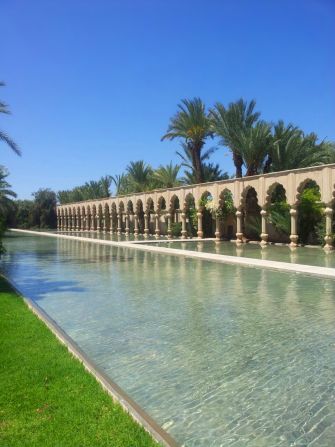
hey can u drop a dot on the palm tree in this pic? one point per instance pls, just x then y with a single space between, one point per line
212 173
6 194
254 146
192 125
229 124
105 185
292 149
3 136
186 156
121 183
167 176
140 176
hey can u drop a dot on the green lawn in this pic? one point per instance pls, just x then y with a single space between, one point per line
46 396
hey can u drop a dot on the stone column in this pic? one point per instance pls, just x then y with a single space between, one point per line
183 225
200 233
264 234
98 221
104 222
294 217
329 228
119 223
217 229
111 224
146 224
136 230
169 231
126 218
157 226
239 234
58 222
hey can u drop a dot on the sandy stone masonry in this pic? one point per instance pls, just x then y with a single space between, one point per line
153 212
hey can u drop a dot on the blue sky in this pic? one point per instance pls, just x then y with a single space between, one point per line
92 84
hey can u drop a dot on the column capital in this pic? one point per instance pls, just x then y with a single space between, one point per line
329 211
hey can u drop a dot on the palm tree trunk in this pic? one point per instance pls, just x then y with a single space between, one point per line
197 164
267 165
238 162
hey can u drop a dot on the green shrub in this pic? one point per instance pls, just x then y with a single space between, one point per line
176 229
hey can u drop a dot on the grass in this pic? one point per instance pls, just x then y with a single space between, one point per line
46 396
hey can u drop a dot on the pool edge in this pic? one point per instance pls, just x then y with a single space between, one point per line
114 390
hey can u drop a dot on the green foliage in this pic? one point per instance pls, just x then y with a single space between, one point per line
176 229
94 189
279 217
4 137
310 214
140 176
230 123
167 176
37 213
292 149
191 124
253 226
46 393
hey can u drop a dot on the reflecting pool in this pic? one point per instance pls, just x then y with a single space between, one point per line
219 355
282 253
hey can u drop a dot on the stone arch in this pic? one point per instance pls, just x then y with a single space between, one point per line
251 209
89 218
278 213
226 214
130 207
140 215
106 217
174 209
302 186
190 210
208 223
161 204
113 217
310 210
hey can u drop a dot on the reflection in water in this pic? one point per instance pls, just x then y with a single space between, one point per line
298 255
219 355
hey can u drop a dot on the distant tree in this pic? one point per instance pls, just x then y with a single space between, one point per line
192 125
3 136
254 146
45 208
292 149
231 123
212 173
121 183
167 176
139 176
6 194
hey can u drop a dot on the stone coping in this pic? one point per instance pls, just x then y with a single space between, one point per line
321 272
117 393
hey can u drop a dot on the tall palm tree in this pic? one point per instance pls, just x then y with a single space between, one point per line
212 173
192 125
167 176
105 185
6 194
3 136
254 147
292 149
229 124
121 183
140 175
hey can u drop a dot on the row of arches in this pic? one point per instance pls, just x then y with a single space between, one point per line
223 216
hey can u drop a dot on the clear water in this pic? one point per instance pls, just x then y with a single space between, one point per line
219 355
109 237
300 255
